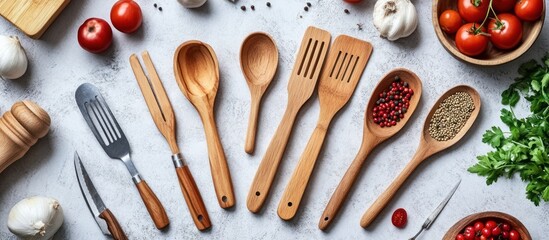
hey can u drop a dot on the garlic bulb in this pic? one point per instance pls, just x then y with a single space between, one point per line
35 218
395 19
13 60
192 3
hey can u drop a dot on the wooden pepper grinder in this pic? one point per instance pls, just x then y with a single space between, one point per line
20 128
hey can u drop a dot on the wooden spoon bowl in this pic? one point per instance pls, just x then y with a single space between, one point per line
483 216
492 56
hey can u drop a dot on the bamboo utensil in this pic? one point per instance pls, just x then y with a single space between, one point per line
301 85
20 128
197 74
30 16
110 136
162 113
258 61
373 135
344 66
427 147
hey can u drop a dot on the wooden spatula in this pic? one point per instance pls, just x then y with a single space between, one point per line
301 85
162 113
346 62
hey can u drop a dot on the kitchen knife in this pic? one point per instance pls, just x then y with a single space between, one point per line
103 216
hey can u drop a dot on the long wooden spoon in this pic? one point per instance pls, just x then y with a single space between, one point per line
301 86
427 147
344 67
258 61
197 74
373 135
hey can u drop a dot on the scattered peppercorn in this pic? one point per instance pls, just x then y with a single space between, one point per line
155 5
392 104
347 11
360 25
306 8
450 116
268 4
309 4
160 8
252 7
243 8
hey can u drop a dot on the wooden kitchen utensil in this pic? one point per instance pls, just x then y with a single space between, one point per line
31 16
197 74
427 147
20 128
162 113
258 61
301 85
372 136
344 67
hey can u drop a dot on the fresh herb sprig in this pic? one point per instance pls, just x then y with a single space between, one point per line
524 149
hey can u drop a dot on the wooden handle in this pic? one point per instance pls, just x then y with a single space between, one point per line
113 225
382 201
154 207
193 198
291 199
252 126
218 163
344 187
268 167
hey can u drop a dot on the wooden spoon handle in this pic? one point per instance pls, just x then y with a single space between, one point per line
113 225
382 201
263 180
193 198
289 204
344 187
218 163
154 207
252 126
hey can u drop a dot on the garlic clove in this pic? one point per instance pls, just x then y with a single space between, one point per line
13 60
192 3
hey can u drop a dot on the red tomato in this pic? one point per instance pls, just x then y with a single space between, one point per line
490 224
126 16
353 1
478 226
506 227
399 218
514 235
486 232
450 21
503 5
496 231
470 40
507 32
529 10
460 237
469 235
473 10
95 35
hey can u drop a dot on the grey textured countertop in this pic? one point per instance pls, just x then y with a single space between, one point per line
58 66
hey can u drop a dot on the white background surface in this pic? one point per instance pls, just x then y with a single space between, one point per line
58 65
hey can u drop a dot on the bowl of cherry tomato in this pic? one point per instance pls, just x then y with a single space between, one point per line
487 226
488 32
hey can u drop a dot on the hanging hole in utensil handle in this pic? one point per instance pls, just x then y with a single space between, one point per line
257 193
200 218
224 199
290 204
326 218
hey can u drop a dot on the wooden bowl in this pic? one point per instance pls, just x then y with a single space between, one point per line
492 56
483 216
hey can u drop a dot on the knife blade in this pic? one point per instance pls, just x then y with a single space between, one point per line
102 215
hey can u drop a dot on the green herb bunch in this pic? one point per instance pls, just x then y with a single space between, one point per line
524 149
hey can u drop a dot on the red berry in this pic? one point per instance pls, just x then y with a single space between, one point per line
506 227
496 231
486 232
505 235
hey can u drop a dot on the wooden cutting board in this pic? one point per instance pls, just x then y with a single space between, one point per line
32 17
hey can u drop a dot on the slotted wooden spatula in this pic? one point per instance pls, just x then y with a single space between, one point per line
301 85
346 62
162 113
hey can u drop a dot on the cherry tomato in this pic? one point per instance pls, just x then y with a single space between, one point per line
470 229
460 237
514 235
486 232
506 227
529 10
469 235
490 224
126 16
482 238
470 40
505 235
353 1
496 231
399 218
478 226
95 35
503 5
450 21
473 10
507 32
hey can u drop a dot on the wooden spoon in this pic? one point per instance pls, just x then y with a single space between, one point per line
258 61
344 66
427 147
373 135
197 74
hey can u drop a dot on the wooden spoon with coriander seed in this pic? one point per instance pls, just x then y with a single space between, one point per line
428 143
258 61
373 135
